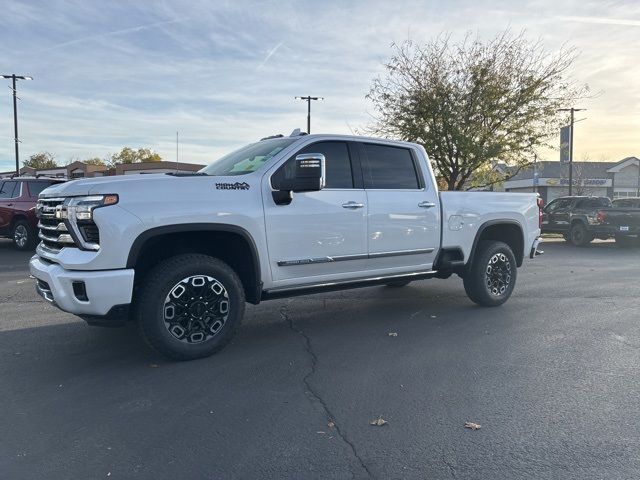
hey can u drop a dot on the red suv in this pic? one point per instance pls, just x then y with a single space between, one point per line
18 197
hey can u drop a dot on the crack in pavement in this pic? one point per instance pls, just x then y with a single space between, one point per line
452 468
284 313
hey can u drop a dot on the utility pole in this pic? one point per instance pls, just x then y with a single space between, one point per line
308 98
638 188
572 110
15 77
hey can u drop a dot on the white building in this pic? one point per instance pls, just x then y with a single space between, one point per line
606 179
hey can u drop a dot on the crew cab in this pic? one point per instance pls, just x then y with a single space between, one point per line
181 254
18 197
576 218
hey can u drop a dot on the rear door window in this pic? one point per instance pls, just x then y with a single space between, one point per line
596 202
389 168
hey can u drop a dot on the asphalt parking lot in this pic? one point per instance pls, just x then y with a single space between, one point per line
552 377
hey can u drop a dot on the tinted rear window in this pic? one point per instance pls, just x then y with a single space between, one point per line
596 202
388 167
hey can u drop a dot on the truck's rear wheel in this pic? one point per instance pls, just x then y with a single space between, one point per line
579 235
492 275
189 306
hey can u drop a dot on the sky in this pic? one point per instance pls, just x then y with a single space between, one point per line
225 73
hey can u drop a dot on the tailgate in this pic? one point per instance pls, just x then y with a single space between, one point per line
621 218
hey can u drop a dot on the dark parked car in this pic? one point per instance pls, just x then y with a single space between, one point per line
576 218
622 220
18 198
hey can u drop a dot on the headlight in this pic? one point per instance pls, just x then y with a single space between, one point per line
81 208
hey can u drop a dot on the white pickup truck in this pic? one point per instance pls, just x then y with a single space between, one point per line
180 254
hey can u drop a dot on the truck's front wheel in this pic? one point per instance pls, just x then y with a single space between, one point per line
492 276
189 306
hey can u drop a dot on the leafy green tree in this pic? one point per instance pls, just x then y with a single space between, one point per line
93 161
130 155
40 161
475 104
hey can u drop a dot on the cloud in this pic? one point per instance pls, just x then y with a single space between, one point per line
603 21
113 33
228 75
269 55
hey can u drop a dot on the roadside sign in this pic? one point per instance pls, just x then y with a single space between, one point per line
565 142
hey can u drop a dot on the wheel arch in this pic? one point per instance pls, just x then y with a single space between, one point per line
230 243
507 231
16 218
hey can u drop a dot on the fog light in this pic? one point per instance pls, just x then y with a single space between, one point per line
80 291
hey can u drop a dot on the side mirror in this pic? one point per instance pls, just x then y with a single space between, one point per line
308 176
309 173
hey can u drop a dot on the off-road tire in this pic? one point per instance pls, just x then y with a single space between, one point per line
579 235
18 232
478 282
161 281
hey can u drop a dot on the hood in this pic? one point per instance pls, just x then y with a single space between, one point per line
104 185
148 183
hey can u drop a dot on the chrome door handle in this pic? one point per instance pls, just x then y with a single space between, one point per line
426 204
352 205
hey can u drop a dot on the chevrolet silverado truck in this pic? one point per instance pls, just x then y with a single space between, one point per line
180 254
576 218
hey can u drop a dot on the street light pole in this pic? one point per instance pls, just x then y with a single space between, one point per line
16 139
308 98
572 110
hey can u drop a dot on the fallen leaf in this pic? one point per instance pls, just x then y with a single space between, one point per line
472 426
393 334
331 424
378 422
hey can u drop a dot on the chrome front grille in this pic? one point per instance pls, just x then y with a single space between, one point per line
53 232
59 225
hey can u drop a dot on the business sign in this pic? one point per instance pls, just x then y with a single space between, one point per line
588 182
565 143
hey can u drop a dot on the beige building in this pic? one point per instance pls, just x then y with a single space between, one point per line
83 170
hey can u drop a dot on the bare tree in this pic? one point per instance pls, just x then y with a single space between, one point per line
474 104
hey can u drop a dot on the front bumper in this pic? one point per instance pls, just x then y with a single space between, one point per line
104 289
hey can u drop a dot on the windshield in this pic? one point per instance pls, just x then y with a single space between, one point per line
248 158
